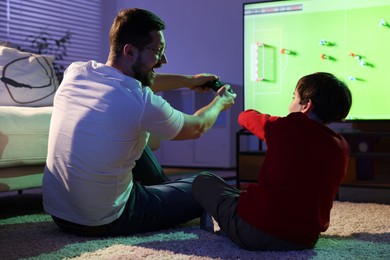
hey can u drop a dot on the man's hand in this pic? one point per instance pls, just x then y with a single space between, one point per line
164 82
203 119
225 97
199 80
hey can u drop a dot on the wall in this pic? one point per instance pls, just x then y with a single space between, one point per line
109 12
201 36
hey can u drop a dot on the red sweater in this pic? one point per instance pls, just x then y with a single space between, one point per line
304 164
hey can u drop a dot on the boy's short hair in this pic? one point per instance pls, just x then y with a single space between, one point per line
330 96
133 25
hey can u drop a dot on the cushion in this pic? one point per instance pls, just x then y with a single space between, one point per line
23 135
26 79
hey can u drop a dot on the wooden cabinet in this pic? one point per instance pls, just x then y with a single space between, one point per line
369 164
370 151
250 152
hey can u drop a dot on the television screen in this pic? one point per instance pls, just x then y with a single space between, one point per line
285 40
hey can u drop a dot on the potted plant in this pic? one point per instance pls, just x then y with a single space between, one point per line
46 43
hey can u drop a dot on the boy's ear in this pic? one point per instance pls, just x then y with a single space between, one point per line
306 108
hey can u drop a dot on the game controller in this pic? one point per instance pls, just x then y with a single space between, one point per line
215 85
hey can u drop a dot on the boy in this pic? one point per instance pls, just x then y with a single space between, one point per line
290 204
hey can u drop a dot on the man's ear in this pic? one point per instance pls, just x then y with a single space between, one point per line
306 108
130 53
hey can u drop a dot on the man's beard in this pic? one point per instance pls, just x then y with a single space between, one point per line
146 78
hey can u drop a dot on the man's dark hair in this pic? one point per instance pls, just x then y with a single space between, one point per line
331 97
133 26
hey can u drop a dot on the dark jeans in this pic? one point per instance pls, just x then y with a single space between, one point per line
155 203
220 200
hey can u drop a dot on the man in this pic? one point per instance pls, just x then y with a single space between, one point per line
101 178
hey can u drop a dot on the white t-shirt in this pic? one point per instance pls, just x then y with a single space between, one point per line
100 125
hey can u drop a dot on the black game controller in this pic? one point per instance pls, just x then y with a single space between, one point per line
215 85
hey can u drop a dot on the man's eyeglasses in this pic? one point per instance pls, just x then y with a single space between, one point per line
159 52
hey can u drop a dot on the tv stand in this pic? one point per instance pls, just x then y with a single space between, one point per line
250 156
370 149
369 165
